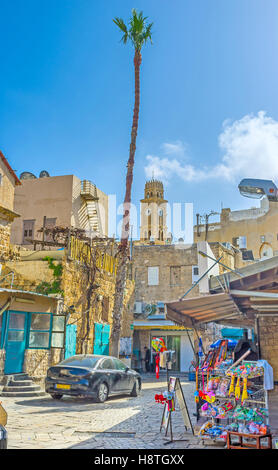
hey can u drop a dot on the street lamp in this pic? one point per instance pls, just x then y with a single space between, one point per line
256 189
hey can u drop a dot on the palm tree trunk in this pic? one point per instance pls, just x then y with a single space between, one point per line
123 248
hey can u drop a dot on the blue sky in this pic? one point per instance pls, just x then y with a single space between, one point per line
209 102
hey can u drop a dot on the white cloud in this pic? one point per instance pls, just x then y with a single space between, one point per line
249 147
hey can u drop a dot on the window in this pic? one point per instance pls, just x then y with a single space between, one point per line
28 231
119 364
81 361
195 274
107 364
58 331
39 336
175 275
262 238
235 241
153 273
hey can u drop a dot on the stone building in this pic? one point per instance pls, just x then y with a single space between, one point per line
165 273
153 212
49 316
8 182
252 232
64 201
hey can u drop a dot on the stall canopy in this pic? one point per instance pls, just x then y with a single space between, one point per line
233 299
208 308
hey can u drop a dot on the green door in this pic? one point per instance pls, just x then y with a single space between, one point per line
15 342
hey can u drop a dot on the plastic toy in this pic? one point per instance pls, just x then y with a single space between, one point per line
237 389
221 353
232 386
158 345
244 391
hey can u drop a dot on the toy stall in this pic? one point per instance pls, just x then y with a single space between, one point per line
231 398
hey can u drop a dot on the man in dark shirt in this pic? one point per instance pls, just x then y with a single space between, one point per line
147 358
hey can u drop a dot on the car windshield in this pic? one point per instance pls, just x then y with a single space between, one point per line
81 361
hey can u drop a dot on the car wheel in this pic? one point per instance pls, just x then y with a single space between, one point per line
102 393
56 396
136 389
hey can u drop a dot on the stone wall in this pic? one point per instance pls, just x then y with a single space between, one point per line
175 272
5 230
75 289
37 361
268 328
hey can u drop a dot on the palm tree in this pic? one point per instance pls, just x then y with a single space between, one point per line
138 32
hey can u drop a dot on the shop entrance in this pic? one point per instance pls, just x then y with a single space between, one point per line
173 343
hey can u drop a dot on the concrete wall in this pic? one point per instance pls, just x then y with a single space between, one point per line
36 198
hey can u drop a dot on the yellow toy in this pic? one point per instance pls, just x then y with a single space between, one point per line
232 386
244 391
237 389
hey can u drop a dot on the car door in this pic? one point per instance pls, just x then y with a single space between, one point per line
107 372
122 376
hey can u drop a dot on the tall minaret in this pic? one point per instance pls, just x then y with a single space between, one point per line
153 212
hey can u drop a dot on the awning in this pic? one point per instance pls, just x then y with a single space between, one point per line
204 309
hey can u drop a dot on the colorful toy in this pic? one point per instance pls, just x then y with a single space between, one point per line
244 391
237 389
246 369
232 386
221 353
158 345
157 366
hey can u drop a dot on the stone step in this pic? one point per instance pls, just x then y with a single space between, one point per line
23 394
17 377
20 383
30 388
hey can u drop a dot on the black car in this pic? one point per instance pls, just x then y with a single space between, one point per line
92 376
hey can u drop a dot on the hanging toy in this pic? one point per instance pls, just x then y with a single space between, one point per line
158 345
196 394
232 386
237 389
244 391
157 366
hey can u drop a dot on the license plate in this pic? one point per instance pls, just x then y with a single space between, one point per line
62 386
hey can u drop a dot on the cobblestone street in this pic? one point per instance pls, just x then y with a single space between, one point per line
121 423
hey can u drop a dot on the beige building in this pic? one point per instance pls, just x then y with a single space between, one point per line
254 229
153 212
58 201
8 182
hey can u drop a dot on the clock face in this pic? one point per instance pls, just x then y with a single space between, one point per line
160 212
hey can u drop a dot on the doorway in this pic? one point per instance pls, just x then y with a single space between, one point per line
15 342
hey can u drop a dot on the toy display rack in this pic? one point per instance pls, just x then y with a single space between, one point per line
257 399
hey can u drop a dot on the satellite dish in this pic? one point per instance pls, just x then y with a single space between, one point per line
44 174
26 175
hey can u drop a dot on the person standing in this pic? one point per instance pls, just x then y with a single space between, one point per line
147 358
